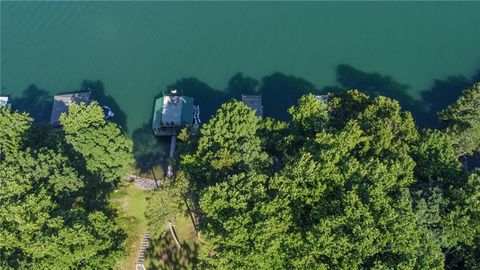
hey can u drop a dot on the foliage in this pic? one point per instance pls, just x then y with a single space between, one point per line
107 153
462 120
165 204
446 198
228 144
39 230
351 184
13 129
44 223
309 117
164 253
462 223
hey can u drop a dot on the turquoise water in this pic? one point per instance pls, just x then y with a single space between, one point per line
137 49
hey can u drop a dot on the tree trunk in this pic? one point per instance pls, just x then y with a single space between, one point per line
190 213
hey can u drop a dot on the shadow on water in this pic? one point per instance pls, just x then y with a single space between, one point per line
98 94
445 92
279 92
375 84
38 102
35 101
240 85
438 97
208 98
150 152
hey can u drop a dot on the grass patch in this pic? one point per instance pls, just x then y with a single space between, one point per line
164 253
130 203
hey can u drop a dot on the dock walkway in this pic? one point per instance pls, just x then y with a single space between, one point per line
140 265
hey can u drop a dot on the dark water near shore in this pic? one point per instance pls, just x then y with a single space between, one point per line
422 53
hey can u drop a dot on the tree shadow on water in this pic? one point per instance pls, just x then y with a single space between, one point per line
98 94
38 102
438 97
279 92
35 101
150 151
375 84
208 98
240 85
445 92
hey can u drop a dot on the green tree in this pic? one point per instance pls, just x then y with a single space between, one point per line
13 129
105 150
338 196
165 204
447 199
43 222
461 223
39 226
351 184
233 224
436 161
228 144
352 212
311 115
462 121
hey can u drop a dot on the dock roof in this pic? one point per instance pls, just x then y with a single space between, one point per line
172 111
62 102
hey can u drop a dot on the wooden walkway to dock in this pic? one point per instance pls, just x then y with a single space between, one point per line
140 265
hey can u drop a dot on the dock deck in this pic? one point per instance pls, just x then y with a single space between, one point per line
254 102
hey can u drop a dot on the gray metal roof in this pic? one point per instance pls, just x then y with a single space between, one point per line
62 102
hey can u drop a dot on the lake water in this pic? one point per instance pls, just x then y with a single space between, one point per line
137 49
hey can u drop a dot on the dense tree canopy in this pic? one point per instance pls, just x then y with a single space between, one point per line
44 223
228 145
463 120
107 153
348 184
13 127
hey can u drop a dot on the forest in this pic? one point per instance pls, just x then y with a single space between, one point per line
352 183
55 183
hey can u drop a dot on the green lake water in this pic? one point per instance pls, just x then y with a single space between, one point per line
137 49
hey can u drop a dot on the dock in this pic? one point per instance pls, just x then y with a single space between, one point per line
62 102
254 102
